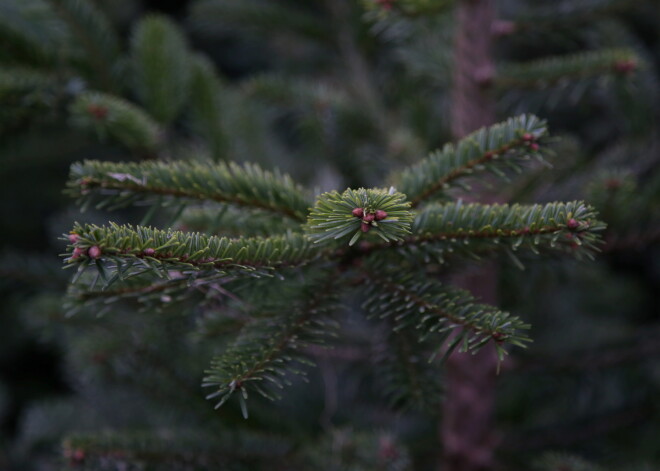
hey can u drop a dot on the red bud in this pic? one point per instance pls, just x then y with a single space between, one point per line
572 224
99 112
369 217
77 252
380 215
149 252
73 238
94 252
365 227
358 212
534 146
527 137
625 66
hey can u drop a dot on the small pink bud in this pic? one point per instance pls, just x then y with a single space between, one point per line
534 146
77 252
97 111
365 227
499 337
527 137
385 4
358 212
94 252
149 252
369 217
73 238
625 66
612 183
380 215
78 456
572 224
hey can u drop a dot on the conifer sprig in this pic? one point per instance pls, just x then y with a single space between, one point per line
268 350
494 149
566 69
358 212
118 185
435 311
475 228
113 117
161 64
121 250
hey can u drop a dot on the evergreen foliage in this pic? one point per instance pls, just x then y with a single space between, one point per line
495 149
242 280
112 117
160 62
265 350
122 184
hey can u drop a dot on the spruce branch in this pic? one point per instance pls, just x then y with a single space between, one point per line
436 312
473 228
95 35
121 184
567 69
118 252
113 117
357 212
205 94
270 349
161 66
494 149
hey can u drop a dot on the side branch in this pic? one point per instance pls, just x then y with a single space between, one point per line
475 228
551 71
495 149
434 311
121 184
466 169
270 348
130 250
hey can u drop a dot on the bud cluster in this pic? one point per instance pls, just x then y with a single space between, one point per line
97 111
625 67
530 139
368 218
93 252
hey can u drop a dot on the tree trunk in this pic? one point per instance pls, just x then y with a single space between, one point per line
466 431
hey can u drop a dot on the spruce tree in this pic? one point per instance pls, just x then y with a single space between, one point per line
222 270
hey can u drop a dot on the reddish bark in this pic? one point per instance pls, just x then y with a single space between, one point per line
466 431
